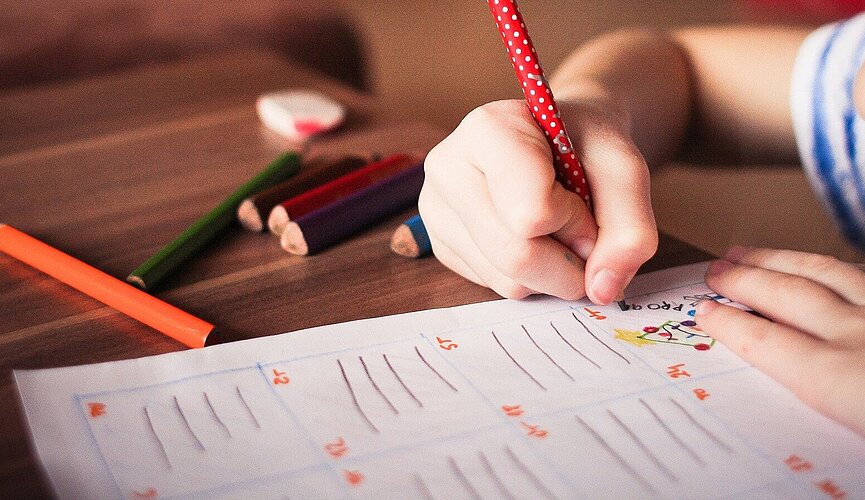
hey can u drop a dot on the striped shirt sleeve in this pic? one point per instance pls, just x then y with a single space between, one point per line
830 134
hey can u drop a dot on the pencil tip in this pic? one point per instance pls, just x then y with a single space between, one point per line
248 215
292 240
403 243
277 220
137 281
622 305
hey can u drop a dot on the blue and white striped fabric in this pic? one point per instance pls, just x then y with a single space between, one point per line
829 132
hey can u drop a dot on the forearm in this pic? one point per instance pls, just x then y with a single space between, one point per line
722 93
642 74
740 84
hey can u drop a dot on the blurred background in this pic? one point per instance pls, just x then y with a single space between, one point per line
432 61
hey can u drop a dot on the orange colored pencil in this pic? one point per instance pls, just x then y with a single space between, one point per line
112 292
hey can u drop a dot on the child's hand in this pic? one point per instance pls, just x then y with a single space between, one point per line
814 338
497 216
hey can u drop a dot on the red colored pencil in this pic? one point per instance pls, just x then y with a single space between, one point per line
336 189
336 221
538 95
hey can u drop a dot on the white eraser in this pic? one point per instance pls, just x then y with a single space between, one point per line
299 114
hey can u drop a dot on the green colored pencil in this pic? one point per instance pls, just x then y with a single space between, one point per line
148 275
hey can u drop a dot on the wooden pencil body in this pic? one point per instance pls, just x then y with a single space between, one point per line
333 223
312 174
192 240
411 239
346 185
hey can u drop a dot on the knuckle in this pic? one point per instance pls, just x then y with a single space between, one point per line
434 161
512 290
638 242
429 208
530 219
821 263
493 119
752 344
516 257
486 115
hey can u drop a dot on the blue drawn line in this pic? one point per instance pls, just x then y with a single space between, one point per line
371 456
231 370
114 392
717 419
271 478
95 444
310 440
626 396
336 352
510 424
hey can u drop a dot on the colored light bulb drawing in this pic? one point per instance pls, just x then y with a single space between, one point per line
684 333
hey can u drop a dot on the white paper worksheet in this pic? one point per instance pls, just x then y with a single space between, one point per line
540 398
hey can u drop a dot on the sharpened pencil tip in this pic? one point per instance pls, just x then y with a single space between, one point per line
403 243
277 220
137 281
247 214
293 241
622 305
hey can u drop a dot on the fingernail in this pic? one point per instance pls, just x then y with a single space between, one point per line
606 286
705 307
736 253
718 267
583 247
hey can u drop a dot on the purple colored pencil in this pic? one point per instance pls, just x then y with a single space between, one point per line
333 223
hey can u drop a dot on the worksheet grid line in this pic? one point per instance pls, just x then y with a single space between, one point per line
507 423
706 411
515 430
92 438
299 424
112 392
621 397
239 485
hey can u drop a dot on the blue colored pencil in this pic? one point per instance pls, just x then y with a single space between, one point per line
411 239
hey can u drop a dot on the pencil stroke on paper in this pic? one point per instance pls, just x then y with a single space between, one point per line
589 331
546 354
517 363
376 387
401 381
357 406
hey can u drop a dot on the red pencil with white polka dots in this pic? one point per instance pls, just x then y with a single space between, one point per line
539 96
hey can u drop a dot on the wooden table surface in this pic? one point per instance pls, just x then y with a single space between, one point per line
110 169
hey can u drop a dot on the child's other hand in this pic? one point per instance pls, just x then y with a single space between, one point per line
496 214
814 338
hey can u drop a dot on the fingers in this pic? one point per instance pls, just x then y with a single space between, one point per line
844 279
494 174
500 258
453 261
627 234
517 166
788 356
496 216
786 298
447 233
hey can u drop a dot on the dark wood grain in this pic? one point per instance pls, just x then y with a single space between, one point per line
110 169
